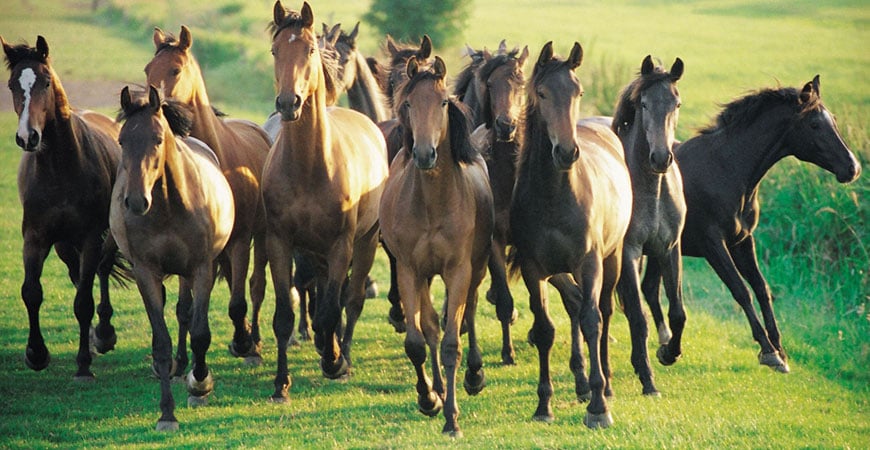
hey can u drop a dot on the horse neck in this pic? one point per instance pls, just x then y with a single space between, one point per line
536 159
364 94
62 132
207 126
308 138
637 151
439 186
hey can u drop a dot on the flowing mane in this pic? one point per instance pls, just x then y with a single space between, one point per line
626 106
746 109
177 114
534 130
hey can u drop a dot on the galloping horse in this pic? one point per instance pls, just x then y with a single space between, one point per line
172 213
569 214
645 120
321 187
722 168
65 180
501 82
437 219
241 147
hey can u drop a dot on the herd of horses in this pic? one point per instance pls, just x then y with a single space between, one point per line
445 180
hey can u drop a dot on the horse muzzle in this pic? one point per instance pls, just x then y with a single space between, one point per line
660 161
851 175
32 142
424 158
505 129
564 158
288 106
137 204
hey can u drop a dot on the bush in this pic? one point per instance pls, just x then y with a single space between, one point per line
442 20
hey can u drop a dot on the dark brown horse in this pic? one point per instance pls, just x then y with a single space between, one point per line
722 168
436 217
501 82
321 187
569 214
241 147
65 182
363 91
172 213
645 120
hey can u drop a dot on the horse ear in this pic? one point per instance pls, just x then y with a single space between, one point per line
524 55
808 92
576 56
411 68
153 98
185 40
391 46
6 48
425 47
486 54
440 68
126 99
159 37
279 13
647 66
816 85
307 16
546 54
502 47
42 47
353 34
676 70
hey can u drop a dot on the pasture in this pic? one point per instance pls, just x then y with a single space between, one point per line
813 250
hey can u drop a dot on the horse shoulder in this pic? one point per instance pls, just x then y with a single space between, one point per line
214 189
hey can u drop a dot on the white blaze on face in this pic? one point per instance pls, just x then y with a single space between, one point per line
27 80
292 38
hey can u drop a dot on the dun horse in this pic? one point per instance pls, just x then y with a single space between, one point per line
437 219
569 214
172 213
321 187
241 147
645 120
65 180
722 169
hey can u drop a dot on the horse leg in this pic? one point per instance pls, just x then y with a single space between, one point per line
183 312
475 380
104 337
459 281
396 317
590 277
720 259
543 332
355 293
238 255
652 280
628 288
572 300
200 382
747 264
304 280
151 290
35 251
672 267
333 364
71 258
422 329
610 275
257 286
84 303
504 301
281 262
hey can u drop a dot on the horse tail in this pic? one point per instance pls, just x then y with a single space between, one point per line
513 264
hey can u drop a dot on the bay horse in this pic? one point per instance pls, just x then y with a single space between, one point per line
65 180
501 79
172 212
437 219
468 87
722 169
645 120
570 211
241 147
321 187
363 91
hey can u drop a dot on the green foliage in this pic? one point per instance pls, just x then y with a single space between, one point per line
407 20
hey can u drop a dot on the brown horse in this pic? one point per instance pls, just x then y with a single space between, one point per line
65 180
722 168
363 91
241 147
569 214
645 121
321 187
172 213
437 219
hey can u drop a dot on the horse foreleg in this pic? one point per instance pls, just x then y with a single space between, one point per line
84 304
281 263
396 317
543 332
573 300
504 301
589 276
672 269
257 286
628 288
611 268
333 363
200 382
475 380
35 251
363 258
238 255
183 312
650 286
458 288
422 331
104 337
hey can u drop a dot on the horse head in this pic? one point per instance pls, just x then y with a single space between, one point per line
423 111
298 69
399 56
656 101
174 68
502 80
553 100
37 95
143 139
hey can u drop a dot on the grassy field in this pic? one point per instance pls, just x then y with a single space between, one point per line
813 237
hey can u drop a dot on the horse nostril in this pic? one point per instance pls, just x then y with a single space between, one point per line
33 139
277 103
19 141
297 102
127 202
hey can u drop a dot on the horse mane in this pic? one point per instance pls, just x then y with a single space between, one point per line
24 52
179 116
463 81
743 111
626 105
458 121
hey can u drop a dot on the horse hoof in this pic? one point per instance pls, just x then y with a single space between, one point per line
664 356
199 388
252 350
101 346
167 425
85 378
432 406
453 434
194 401
584 397
372 289
35 364
398 325
507 359
279 399
595 421
294 342
172 370
546 418
253 361
339 370
664 335
773 361
654 393
474 383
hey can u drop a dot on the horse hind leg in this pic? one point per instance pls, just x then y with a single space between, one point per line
650 286
629 292
504 302
669 352
84 305
591 323
103 336
396 317
257 286
363 259
200 383
419 335
234 264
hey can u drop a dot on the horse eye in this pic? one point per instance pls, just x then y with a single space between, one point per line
541 95
444 103
406 104
643 105
176 71
679 104
311 50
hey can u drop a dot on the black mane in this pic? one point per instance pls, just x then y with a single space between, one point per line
23 52
746 109
179 116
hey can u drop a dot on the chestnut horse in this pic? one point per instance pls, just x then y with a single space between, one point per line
569 214
65 180
241 147
645 121
321 187
437 219
172 213
722 168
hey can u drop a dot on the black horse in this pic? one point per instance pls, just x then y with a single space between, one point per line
722 169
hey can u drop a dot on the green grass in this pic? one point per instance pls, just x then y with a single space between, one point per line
813 239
